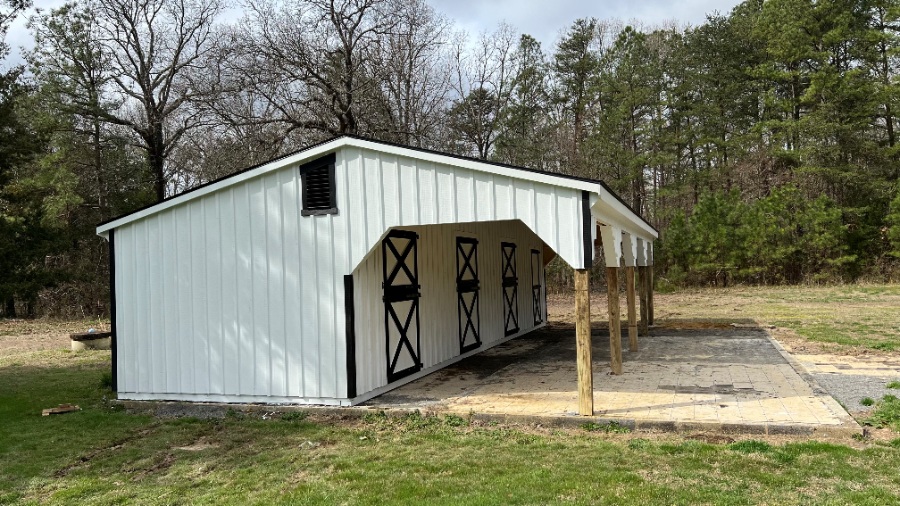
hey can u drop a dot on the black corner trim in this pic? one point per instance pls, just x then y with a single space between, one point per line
112 312
586 223
350 315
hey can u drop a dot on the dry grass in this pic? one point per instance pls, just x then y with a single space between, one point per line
21 341
846 319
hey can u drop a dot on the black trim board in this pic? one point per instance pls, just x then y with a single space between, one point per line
385 143
586 223
350 316
112 312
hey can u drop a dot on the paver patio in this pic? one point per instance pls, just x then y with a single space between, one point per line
725 376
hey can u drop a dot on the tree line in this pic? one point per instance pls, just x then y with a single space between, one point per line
761 143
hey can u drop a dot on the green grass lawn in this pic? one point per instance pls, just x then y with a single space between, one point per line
102 455
844 318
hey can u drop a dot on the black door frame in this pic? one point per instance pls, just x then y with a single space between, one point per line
468 263
536 287
400 293
510 288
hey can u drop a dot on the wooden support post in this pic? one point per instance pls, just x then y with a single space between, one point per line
632 312
650 294
583 343
615 323
642 291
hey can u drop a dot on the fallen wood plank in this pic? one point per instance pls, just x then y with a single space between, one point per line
61 409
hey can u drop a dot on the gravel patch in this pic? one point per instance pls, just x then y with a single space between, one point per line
850 389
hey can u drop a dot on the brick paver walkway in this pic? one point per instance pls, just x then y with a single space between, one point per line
717 376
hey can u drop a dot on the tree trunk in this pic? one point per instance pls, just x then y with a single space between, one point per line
157 160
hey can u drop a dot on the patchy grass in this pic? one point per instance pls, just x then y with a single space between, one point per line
609 428
840 319
886 414
102 455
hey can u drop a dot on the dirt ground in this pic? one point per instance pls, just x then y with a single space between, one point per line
20 338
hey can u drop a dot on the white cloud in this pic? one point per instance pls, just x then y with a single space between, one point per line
546 20
18 37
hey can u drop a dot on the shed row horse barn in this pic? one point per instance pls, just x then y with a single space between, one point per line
344 270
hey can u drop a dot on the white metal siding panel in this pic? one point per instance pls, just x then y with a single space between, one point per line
465 198
244 248
293 296
390 183
409 193
446 211
275 295
259 259
156 357
484 198
328 307
427 193
373 196
169 259
503 198
229 317
448 194
213 284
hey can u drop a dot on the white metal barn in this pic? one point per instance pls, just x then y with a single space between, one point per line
344 270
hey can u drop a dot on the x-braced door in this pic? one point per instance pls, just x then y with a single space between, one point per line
537 305
510 289
467 290
401 303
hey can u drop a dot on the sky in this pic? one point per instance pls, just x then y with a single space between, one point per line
545 20
542 19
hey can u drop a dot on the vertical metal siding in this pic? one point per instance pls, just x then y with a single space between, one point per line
236 296
378 198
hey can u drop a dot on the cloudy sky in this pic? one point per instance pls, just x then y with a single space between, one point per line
542 19
545 19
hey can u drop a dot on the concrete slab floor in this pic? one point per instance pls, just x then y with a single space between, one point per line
720 377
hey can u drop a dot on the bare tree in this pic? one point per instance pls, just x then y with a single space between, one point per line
482 81
415 73
311 61
137 54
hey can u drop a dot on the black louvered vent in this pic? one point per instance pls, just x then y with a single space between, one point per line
318 186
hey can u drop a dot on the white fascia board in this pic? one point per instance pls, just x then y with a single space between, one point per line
623 216
297 158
